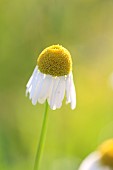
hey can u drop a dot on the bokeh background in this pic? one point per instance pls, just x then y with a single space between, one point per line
85 28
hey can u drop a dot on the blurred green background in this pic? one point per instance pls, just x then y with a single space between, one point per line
85 28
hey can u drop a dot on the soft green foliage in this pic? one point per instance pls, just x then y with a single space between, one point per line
85 28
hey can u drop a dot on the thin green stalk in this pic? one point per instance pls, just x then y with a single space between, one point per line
42 139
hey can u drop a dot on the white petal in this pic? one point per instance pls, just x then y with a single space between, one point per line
37 88
50 91
34 84
68 89
73 97
30 88
72 93
32 77
52 95
31 81
44 91
60 92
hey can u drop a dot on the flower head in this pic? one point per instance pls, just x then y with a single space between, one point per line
102 159
52 77
55 60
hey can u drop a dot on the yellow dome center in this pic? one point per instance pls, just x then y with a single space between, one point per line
55 60
106 150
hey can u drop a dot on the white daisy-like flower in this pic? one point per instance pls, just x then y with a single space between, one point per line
52 78
102 159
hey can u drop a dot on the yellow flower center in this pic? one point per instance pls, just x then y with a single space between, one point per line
106 150
55 60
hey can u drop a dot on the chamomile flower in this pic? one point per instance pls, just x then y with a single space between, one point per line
52 78
102 159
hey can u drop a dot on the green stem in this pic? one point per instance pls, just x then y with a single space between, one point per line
42 139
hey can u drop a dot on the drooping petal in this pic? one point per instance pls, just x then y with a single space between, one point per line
31 81
52 95
50 91
38 77
72 93
37 89
60 92
45 87
31 87
68 89
32 77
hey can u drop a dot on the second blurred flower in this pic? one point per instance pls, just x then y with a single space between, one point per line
101 159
